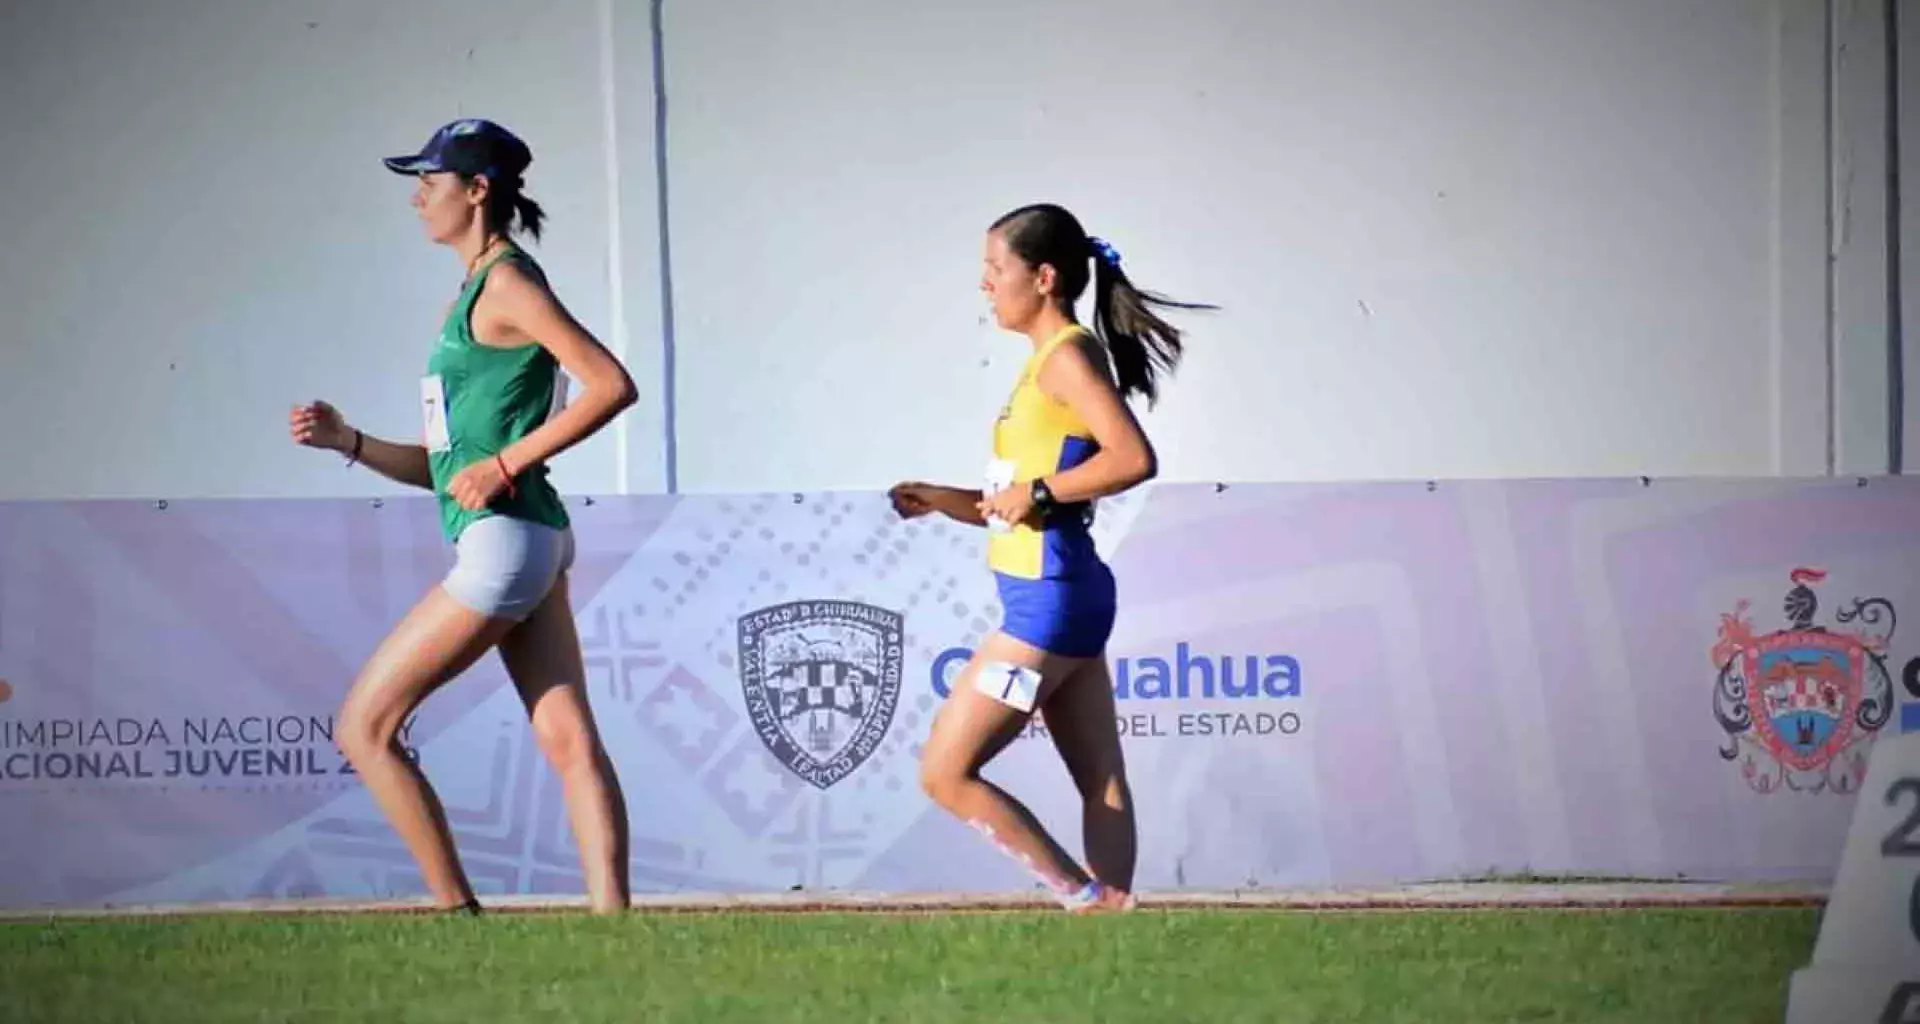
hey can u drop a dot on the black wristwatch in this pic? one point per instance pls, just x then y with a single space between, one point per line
1043 499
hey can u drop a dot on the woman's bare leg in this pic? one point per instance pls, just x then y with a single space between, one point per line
971 728
1085 727
436 641
543 656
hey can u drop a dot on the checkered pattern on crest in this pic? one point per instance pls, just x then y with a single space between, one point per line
1804 691
821 686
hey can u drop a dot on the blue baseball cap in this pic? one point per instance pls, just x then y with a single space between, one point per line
470 145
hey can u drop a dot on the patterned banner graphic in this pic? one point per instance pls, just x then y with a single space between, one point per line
1318 685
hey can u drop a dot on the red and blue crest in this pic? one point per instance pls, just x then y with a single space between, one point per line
1800 706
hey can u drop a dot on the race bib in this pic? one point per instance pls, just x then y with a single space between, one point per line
999 478
433 414
1016 686
560 384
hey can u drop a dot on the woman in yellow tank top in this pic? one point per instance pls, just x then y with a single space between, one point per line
1065 438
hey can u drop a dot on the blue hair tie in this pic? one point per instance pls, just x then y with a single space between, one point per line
1104 252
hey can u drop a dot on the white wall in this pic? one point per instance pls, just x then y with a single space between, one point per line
1494 238
1488 238
200 233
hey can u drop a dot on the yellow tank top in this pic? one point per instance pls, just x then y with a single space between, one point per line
1037 436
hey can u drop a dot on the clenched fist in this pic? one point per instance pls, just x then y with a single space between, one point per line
319 425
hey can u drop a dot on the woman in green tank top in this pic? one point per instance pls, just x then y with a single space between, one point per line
493 413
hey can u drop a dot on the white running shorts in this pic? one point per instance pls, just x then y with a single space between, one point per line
504 567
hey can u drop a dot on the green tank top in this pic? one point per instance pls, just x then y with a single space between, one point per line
478 399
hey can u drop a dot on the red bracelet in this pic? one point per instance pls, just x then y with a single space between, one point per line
511 491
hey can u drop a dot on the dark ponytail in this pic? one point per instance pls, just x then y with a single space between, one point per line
530 214
506 203
1144 347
